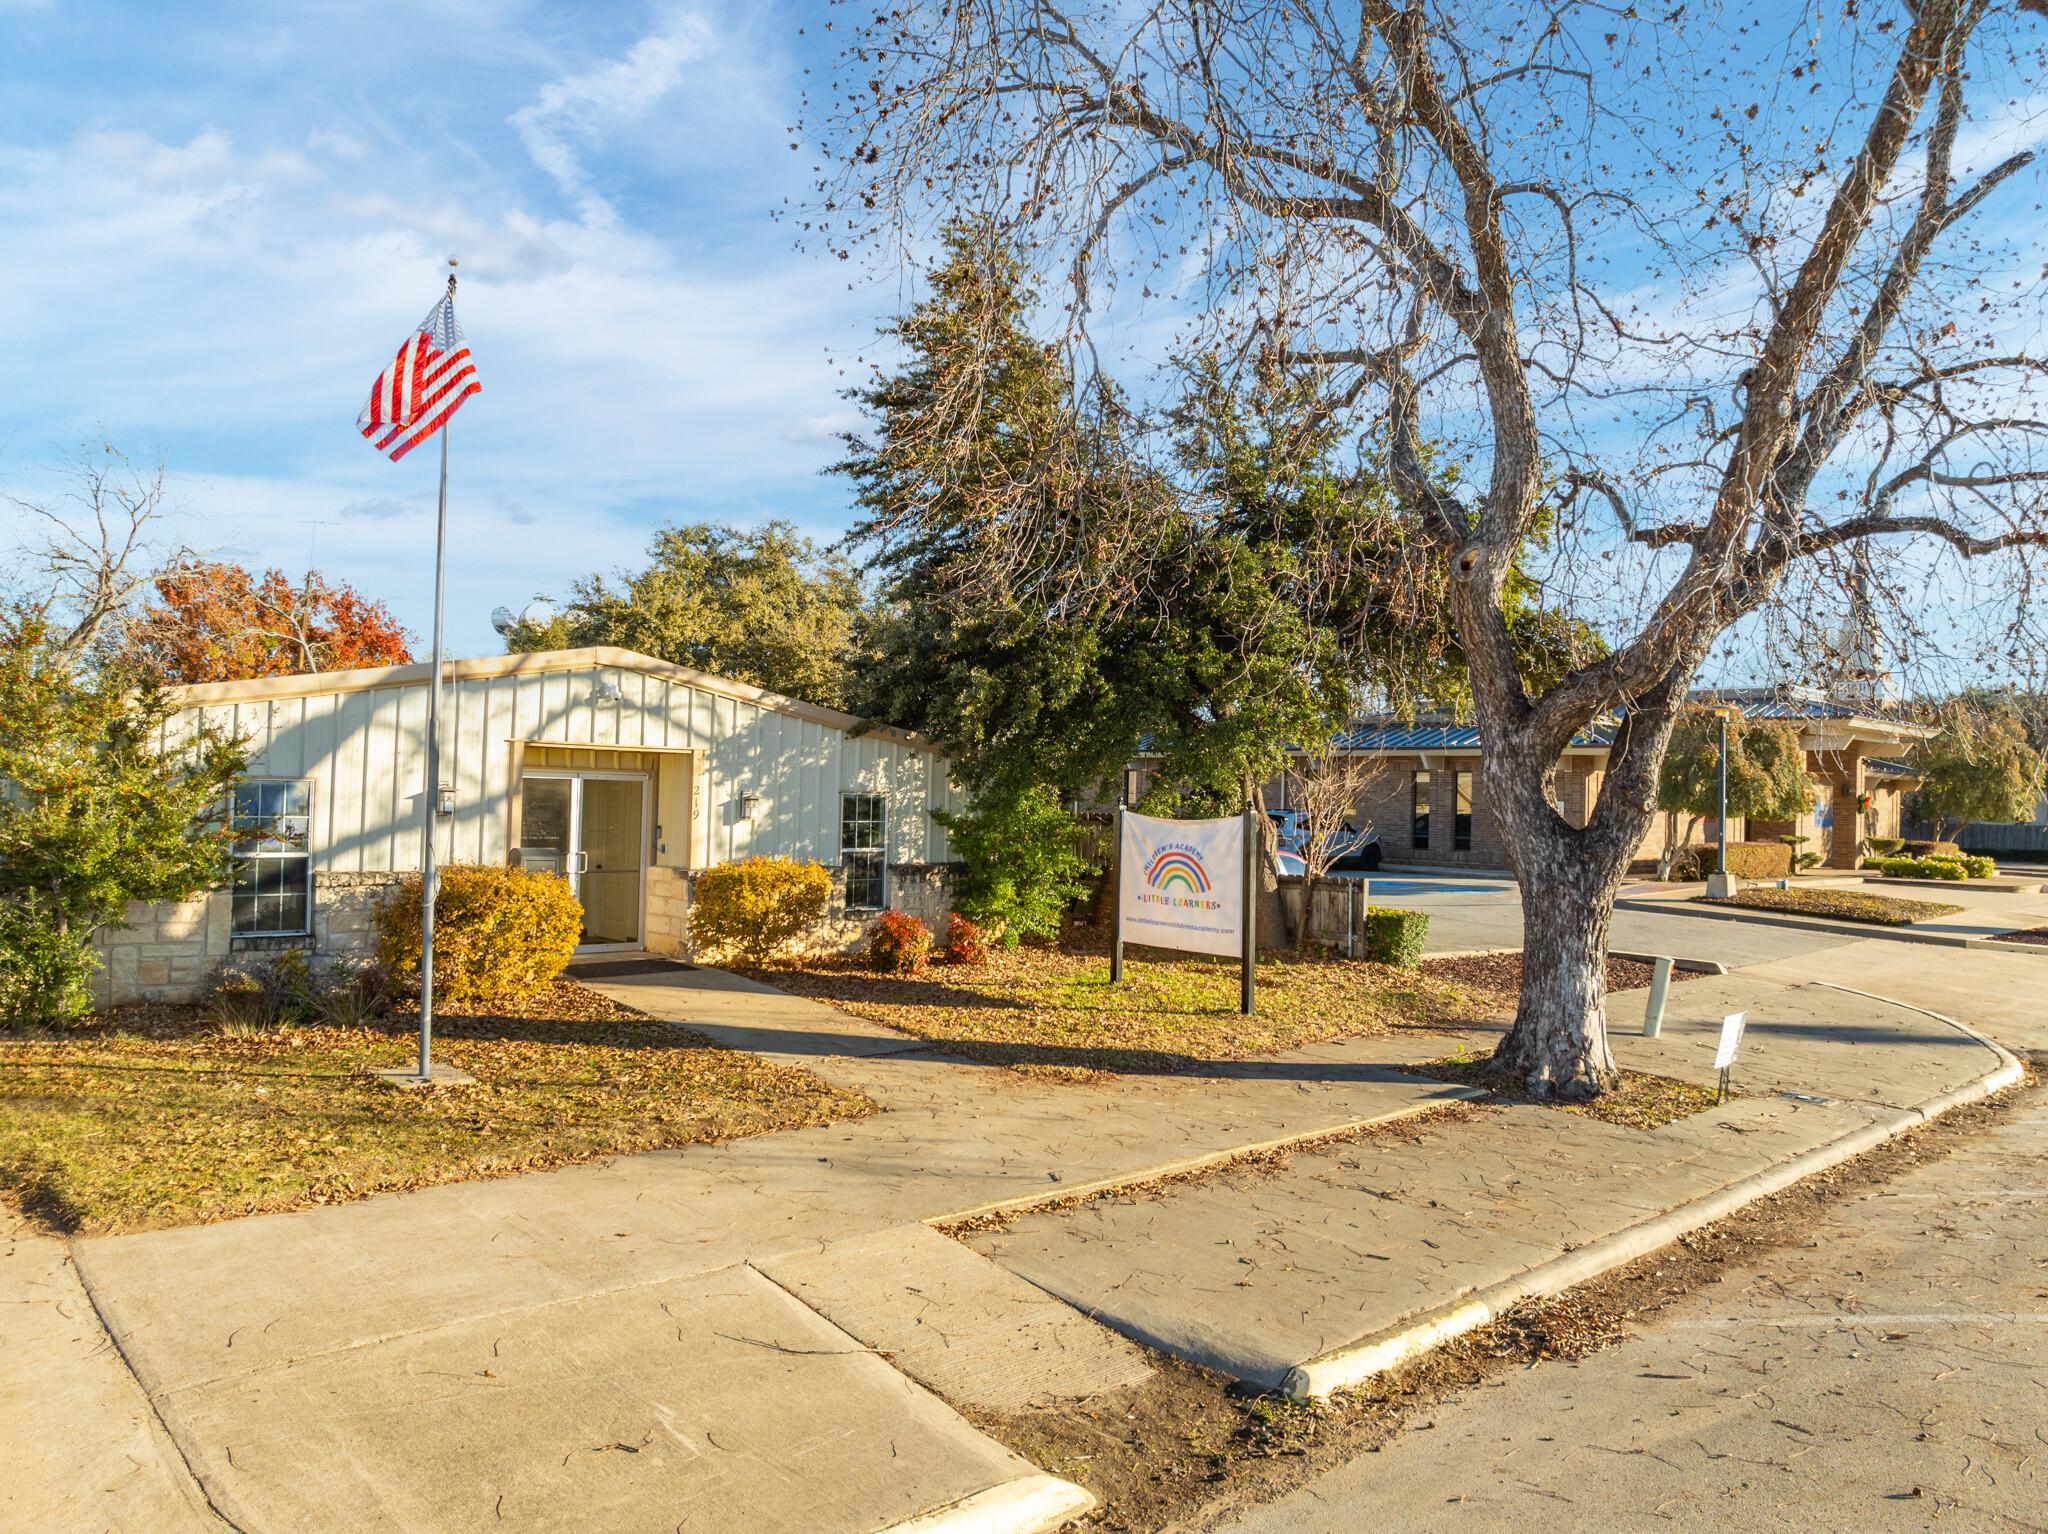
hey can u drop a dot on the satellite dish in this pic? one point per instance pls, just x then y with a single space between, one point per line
503 621
540 612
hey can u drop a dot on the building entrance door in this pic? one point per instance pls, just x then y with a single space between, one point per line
592 828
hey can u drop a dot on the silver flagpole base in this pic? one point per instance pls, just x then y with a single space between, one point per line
439 1076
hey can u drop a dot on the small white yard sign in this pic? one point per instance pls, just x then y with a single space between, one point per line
1731 1039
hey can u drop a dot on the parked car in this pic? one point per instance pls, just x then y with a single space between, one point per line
1357 850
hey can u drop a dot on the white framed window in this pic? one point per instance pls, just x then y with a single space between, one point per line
272 819
863 840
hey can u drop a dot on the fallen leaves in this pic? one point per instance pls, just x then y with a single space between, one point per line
142 1119
1054 1013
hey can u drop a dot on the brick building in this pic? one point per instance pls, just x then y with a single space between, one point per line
1427 800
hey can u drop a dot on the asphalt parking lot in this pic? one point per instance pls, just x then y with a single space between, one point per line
1467 913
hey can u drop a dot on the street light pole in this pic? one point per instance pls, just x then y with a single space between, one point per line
1721 886
1721 810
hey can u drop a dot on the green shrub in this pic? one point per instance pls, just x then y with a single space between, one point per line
1746 860
1022 869
899 944
499 933
966 941
1929 849
1980 867
1395 936
1885 846
1929 868
757 906
45 975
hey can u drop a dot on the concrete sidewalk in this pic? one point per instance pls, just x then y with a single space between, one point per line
623 1346
719 1337
1269 1277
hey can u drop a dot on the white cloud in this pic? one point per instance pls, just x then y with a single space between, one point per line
578 108
829 427
377 509
343 146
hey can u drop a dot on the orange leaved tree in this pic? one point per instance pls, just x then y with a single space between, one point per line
214 621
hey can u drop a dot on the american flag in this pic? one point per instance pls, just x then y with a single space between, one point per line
431 377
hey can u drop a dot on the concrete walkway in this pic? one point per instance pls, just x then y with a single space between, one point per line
757 1335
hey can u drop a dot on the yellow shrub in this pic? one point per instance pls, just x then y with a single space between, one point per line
499 932
757 906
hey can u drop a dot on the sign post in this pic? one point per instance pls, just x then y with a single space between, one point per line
1248 991
1187 884
1116 931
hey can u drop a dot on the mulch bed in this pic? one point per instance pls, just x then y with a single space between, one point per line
1500 975
148 1116
1840 905
2031 935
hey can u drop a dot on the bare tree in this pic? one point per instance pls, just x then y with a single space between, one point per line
1700 300
1324 789
99 547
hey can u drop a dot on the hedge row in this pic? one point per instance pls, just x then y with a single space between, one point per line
1746 860
1962 866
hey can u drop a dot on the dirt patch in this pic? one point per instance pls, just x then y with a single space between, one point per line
2031 935
1499 975
1641 1101
145 1117
1276 1159
1189 1447
1838 905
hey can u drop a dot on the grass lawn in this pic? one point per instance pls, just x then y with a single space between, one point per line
1842 905
144 1117
1051 1012
1642 1101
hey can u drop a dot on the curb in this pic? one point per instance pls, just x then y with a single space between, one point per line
1350 1365
1689 966
1035 1504
1139 1178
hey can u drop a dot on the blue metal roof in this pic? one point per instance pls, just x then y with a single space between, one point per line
1390 734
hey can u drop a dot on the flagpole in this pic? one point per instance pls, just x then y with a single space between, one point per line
429 876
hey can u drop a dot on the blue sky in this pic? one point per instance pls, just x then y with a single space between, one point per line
223 218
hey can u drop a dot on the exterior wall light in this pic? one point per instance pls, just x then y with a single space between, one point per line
750 805
444 801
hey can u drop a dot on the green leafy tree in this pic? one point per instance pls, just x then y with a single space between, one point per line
97 808
1220 609
1022 868
1210 622
1978 767
1767 776
764 606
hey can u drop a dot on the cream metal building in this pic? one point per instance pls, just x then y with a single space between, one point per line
624 773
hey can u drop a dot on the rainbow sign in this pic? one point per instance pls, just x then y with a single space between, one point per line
1180 883
1177 868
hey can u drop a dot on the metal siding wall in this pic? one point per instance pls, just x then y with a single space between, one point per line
365 753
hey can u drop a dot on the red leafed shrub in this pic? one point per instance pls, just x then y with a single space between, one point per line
899 944
966 942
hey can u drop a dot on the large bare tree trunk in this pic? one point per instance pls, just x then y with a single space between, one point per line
1569 878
